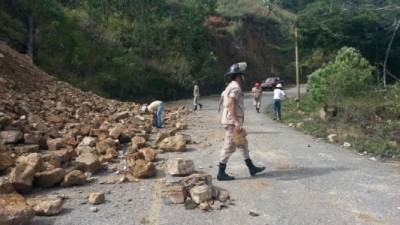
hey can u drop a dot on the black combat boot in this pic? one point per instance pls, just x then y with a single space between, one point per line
258 110
201 106
221 173
195 107
252 168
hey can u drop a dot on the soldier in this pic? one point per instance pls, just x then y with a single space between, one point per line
256 92
232 119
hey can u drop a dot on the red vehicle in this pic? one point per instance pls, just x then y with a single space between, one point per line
271 82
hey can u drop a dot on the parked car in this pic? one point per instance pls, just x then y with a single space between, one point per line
271 82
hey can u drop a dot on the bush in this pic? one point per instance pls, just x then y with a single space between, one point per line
347 76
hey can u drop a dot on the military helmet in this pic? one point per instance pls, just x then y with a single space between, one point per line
237 68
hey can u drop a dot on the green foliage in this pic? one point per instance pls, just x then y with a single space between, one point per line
393 100
347 76
327 26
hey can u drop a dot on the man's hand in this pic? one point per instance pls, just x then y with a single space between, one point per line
238 126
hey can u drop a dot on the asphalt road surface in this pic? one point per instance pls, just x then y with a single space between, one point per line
307 182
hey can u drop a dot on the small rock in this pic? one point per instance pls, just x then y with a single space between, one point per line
96 198
5 161
149 154
46 206
180 167
140 142
190 204
175 143
253 213
201 193
14 210
216 205
94 209
11 136
49 178
115 132
22 175
143 169
88 162
55 144
75 177
204 206
175 195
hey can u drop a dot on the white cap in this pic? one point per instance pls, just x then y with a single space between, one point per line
279 85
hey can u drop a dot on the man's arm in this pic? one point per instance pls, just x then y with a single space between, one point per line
232 110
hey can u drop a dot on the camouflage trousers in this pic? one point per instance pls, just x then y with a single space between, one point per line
230 147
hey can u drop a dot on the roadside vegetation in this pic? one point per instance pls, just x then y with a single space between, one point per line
342 104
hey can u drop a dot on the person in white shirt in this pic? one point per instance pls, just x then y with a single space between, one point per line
157 109
196 95
278 94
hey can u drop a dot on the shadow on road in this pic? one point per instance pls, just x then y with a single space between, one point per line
297 173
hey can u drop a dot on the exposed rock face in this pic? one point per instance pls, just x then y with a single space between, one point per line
46 206
14 210
175 143
175 194
180 167
22 175
201 193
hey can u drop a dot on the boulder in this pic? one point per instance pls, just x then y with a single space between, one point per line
175 143
88 141
22 149
175 194
6 186
11 136
105 145
180 167
14 210
46 206
143 169
49 178
96 198
55 144
31 138
197 179
88 162
201 193
75 177
6 161
161 136
22 175
120 116
139 141
149 154
181 126
115 132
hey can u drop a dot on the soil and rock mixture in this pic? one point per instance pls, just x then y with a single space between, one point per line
54 135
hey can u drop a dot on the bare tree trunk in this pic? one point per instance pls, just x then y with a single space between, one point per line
29 44
388 51
297 65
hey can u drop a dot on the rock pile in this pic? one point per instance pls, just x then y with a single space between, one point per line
195 190
54 134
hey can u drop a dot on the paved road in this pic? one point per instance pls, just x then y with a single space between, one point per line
307 182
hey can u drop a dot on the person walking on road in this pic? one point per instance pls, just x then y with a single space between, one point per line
232 119
256 92
196 95
157 109
278 94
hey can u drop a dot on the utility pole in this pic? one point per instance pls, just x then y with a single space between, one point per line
388 51
297 64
